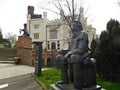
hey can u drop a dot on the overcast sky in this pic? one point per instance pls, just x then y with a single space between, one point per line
13 13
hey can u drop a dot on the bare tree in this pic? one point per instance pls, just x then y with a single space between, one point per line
118 2
12 38
68 9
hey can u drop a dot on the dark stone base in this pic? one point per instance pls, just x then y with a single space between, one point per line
70 87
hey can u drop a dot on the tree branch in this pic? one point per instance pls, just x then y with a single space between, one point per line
51 10
68 6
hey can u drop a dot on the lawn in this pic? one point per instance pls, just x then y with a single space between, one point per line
49 77
53 75
108 85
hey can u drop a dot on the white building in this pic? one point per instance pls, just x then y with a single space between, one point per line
54 34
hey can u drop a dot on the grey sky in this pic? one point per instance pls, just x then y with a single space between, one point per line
13 13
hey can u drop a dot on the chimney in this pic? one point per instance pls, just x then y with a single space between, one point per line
45 15
31 10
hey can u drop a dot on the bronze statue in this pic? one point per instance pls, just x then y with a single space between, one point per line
25 33
78 59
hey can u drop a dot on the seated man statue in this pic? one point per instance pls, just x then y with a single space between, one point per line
77 53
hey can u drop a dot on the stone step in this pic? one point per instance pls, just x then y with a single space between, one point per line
10 62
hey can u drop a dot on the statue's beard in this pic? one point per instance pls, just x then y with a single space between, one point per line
75 34
76 30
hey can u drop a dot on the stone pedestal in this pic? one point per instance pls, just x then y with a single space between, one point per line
70 87
24 50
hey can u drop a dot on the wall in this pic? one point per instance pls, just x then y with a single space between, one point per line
7 53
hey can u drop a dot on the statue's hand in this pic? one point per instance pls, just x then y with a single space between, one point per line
67 55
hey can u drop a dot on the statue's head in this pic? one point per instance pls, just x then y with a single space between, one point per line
76 26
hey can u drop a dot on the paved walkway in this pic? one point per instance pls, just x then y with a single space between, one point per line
11 70
22 82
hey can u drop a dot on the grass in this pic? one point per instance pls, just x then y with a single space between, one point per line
108 85
53 75
50 77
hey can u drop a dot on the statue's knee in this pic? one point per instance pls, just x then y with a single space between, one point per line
75 57
58 59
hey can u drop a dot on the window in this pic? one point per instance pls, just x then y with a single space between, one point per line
48 45
53 34
58 45
36 26
36 35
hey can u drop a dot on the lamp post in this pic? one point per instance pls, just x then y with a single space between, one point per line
46 36
38 66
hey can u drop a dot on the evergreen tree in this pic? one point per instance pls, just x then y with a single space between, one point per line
93 47
108 52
